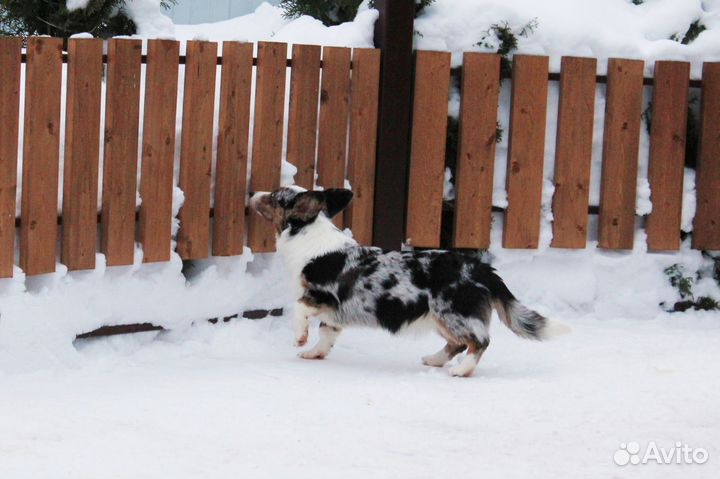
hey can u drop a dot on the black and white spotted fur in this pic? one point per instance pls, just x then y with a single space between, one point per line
346 284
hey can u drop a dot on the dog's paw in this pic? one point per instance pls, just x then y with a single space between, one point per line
312 354
460 372
301 341
434 361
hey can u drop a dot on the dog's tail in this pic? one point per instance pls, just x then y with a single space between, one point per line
522 320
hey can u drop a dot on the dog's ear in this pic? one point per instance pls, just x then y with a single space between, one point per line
307 205
336 199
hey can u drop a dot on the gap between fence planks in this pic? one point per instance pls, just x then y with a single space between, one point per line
427 150
362 142
667 154
303 112
573 152
158 151
267 136
41 155
122 118
526 151
9 118
232 149
618 183
193 238
476 152
82 151
334 116
706 231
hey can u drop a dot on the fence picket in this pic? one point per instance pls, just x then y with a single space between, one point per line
41 155
618 183
232 149
267 136
302 122
363 139
667 154
526 151
156 181
476 154
334 117
706 231
9 119
427 150
573 152
82 152
196 149
122 118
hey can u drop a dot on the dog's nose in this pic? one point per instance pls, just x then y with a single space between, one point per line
251 193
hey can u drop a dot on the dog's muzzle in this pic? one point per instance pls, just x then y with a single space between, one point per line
255 198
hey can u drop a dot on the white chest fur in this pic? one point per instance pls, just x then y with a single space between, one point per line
318 238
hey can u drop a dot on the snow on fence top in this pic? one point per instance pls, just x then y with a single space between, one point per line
336 140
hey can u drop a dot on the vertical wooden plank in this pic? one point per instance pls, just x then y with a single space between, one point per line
232 149
82 151
573 152
667 154
193 238
334 116
621 143
526 151
41 155
476 154
427 151
706 228
267 136
158 149
362 142
9 119
122 118
302 123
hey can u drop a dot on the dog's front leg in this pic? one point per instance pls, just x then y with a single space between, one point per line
301 321
328 335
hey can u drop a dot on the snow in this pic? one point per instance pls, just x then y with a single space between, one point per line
600 29
233 399
72 5
266 23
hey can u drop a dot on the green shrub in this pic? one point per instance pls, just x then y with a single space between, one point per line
504 38
693 31
101 18
332 12
684 285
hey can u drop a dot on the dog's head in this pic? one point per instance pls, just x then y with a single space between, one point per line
292 207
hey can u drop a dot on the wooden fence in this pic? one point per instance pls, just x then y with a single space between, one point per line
521 229
347 116
331 130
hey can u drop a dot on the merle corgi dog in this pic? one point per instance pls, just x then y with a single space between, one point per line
345 284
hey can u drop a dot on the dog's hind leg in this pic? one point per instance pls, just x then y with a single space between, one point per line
441 358
475 349
328 335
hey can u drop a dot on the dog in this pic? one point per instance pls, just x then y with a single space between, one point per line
345 284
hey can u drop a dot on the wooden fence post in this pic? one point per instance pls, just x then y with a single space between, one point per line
394 35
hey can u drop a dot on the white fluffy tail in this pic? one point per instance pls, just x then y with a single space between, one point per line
527 323
554 328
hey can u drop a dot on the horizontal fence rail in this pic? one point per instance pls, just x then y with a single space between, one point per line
329 133
526 153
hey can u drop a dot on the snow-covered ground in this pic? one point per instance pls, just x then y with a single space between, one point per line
233 400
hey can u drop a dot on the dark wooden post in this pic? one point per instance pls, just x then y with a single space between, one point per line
394 35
